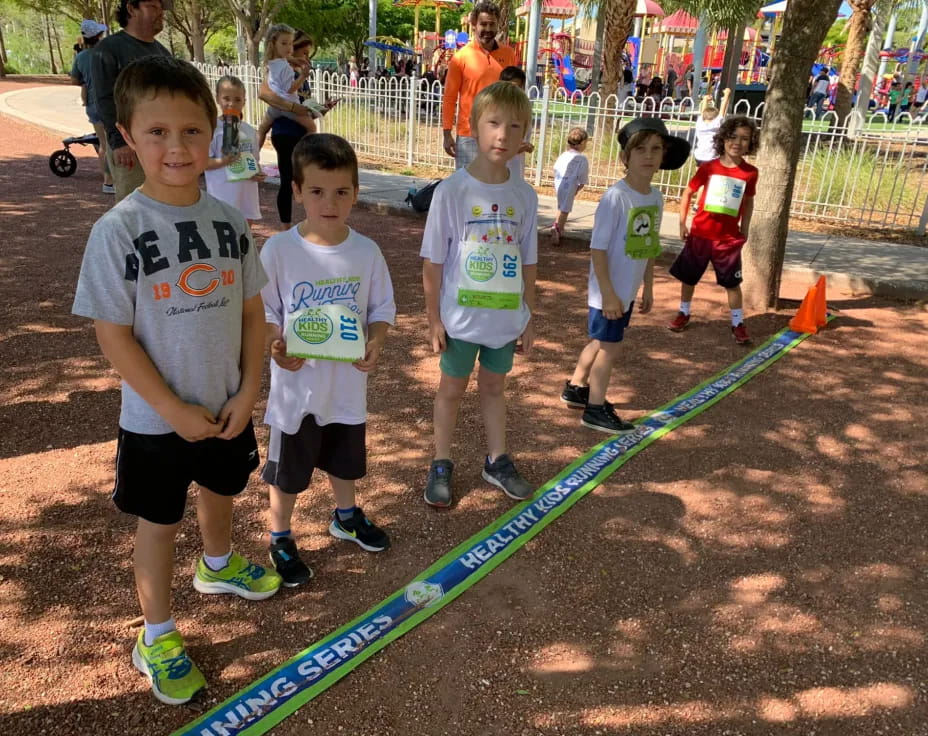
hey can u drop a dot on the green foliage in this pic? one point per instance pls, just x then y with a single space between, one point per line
26 43
222 45
721 13
343 24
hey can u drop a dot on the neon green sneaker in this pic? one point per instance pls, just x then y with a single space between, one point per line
239 577
174 678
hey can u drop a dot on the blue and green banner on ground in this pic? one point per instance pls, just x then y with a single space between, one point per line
258 707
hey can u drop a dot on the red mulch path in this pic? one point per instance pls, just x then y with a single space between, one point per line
758 571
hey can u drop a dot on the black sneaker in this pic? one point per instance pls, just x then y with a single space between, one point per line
286 560
576 396
605 419
438 485
503 474
360 530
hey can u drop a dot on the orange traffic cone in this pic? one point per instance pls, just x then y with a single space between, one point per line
804 321
821 309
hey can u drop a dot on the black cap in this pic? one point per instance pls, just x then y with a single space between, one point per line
678 149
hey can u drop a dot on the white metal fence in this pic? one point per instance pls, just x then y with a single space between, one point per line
873 174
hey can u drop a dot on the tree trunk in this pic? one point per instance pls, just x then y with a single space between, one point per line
804 26
732 62
197 39
64 67
597 75
3 56
619 16
48 36
871 63
505 15
858 29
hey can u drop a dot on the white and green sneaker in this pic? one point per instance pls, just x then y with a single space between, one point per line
174 678
239 577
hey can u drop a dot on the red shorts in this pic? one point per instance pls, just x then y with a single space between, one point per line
697 252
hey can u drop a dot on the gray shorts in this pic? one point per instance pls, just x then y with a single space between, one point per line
337 449
466 151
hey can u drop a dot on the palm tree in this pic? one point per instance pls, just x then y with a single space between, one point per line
804 26
618 17
858 31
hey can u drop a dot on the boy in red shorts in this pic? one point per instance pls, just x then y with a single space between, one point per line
720 226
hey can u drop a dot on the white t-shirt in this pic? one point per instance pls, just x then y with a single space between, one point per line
280 79
704 150
821 85
483 235
627 226
517 166
922 94
571 167
243 195
303 275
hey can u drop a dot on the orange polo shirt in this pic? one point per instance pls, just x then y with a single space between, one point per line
469 71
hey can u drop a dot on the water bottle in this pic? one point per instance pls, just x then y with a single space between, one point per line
230 120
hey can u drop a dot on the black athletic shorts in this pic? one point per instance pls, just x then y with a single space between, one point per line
154 471
337 449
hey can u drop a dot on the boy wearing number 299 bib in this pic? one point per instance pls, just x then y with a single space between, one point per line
328 304
479 252
720 226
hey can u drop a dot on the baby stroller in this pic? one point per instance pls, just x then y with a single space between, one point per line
63 163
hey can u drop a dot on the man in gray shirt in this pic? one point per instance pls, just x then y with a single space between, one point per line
141 21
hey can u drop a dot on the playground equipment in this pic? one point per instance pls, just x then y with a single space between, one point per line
437 4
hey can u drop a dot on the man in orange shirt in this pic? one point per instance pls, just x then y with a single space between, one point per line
472 68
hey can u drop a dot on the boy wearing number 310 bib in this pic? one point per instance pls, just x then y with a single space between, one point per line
479 252
720 227
328 304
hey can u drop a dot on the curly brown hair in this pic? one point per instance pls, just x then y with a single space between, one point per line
727 130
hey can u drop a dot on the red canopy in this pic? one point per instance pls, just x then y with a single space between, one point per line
679 23
551 8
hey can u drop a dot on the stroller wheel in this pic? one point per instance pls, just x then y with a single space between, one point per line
62 163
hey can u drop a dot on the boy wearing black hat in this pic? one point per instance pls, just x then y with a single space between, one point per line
720 226
624 245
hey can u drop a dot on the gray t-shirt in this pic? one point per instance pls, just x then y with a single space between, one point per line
109 58
179 277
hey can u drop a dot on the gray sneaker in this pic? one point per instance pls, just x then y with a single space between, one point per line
438 485
503 474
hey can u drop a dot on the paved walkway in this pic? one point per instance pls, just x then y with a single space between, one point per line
862 266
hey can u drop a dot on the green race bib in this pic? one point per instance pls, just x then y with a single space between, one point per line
327 332
490 266
642 234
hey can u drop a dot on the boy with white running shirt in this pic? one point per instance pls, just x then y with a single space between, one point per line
328 305
479 252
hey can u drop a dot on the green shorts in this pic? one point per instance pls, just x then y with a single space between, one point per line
458 359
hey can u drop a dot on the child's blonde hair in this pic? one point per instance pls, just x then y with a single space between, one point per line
576 136
506 97
270 43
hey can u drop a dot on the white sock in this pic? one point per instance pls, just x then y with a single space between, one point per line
685 308
153 631
737 317
217 563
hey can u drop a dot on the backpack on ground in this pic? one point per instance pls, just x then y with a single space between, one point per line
421 199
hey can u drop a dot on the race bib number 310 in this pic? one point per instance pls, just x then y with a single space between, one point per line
327 332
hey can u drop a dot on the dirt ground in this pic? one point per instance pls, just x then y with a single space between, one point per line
759 571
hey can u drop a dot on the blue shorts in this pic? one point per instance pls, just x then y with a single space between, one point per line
608 330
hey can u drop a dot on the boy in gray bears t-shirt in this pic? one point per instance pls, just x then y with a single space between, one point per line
172 281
